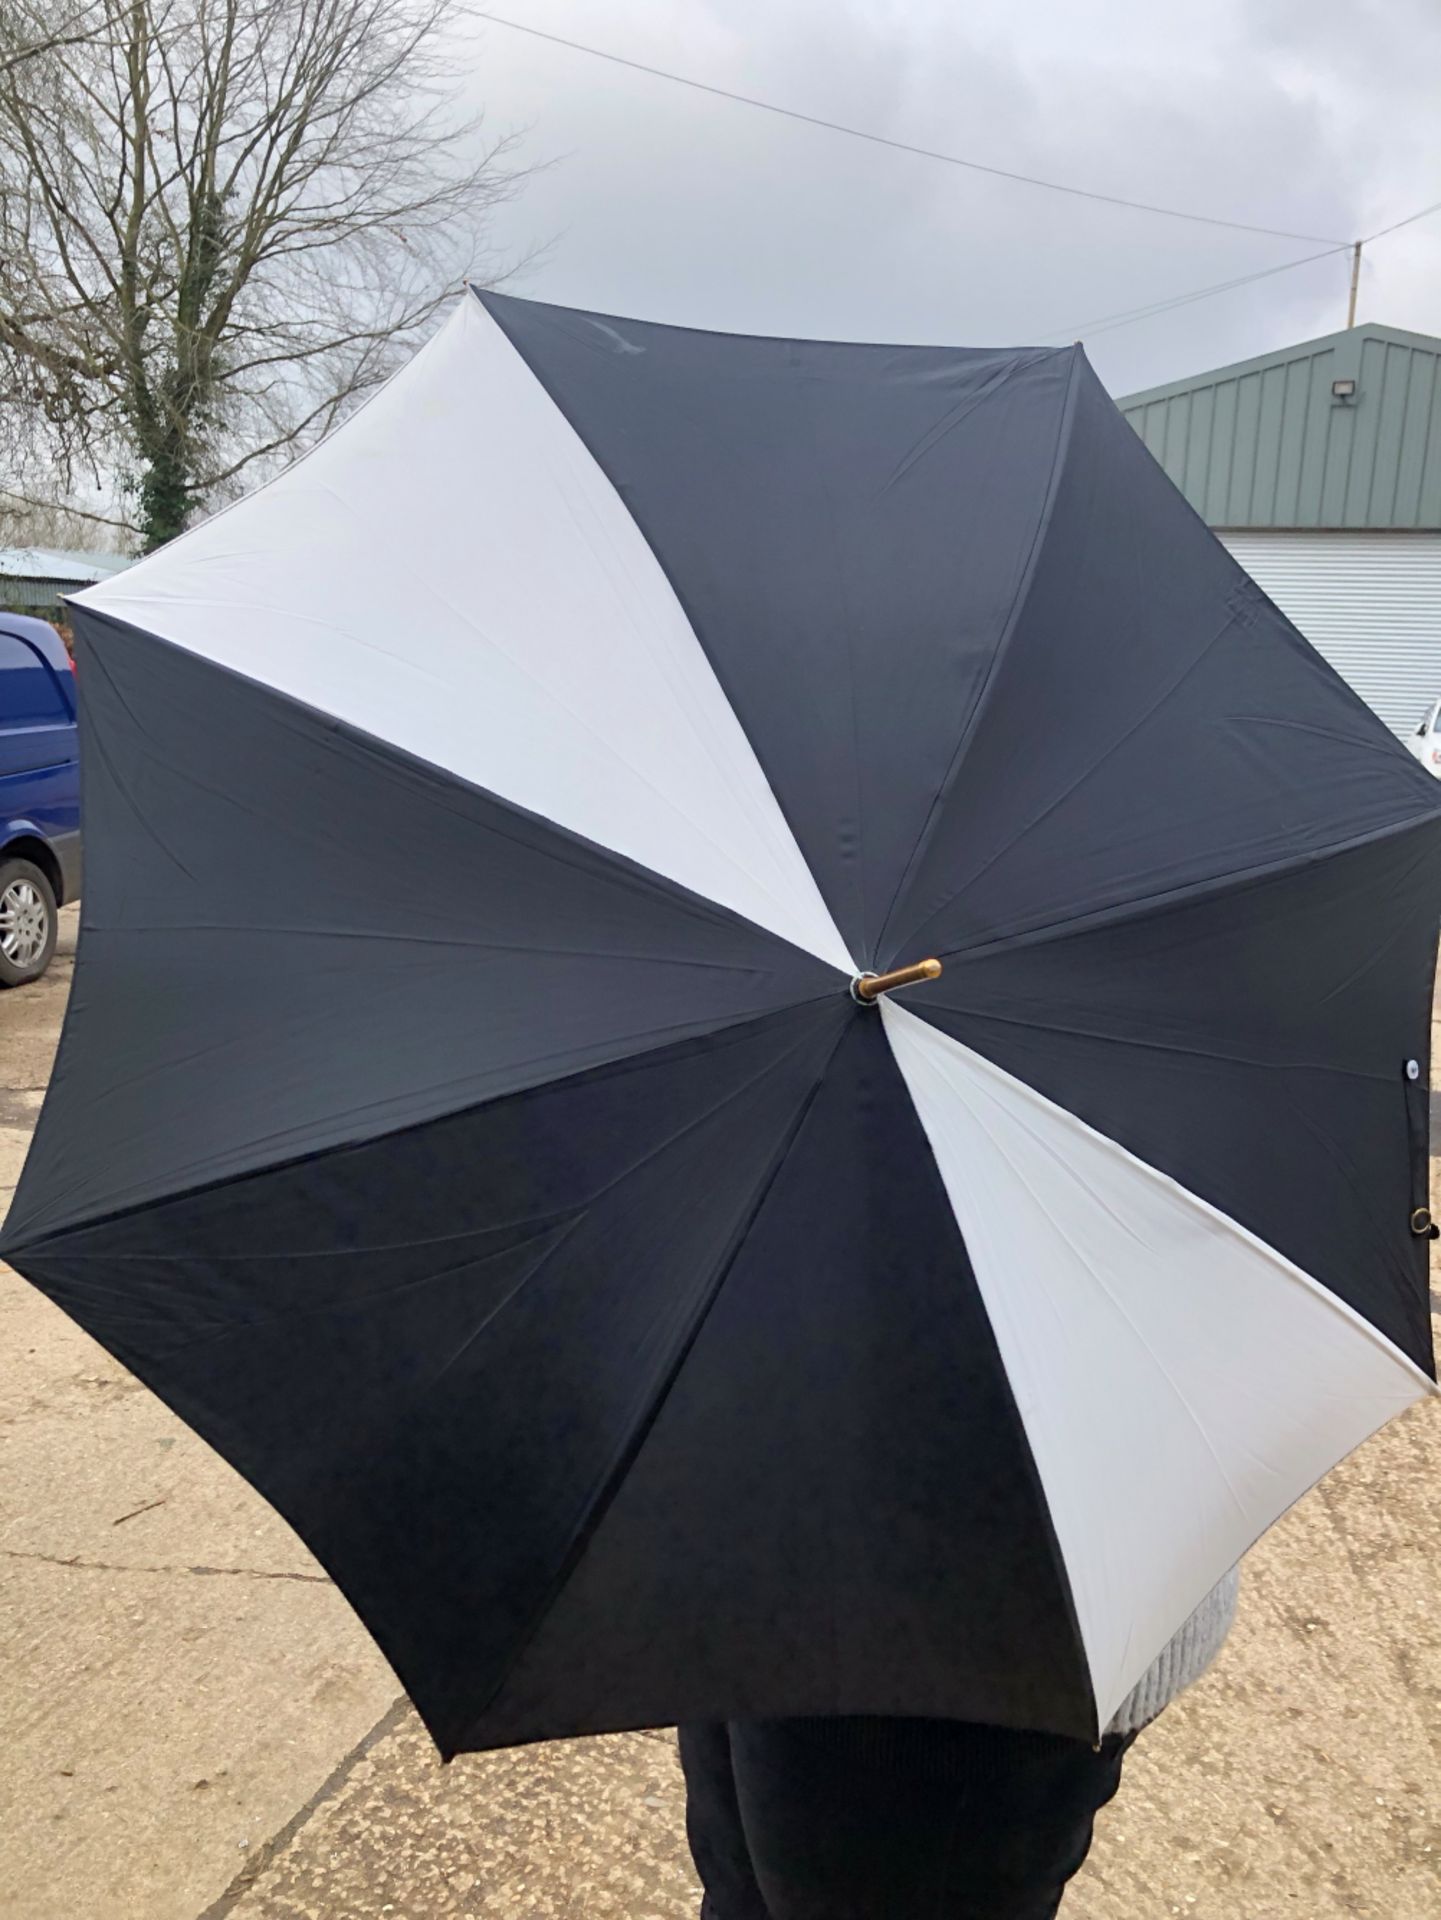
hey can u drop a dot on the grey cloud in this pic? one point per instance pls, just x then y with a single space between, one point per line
679 207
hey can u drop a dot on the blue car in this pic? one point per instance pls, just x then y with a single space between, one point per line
39 794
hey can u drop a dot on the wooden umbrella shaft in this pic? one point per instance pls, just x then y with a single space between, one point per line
871 986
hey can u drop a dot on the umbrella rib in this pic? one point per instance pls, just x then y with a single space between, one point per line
423 940
1192 1199
608 1483
537 1266
1012 621
840 575
743 797
95 743
1185 895
633 1060
1366 1205
541 1222
995 381
1087 773
628 1063
583 1212
1162 1046
438 777
774 884
548 1235
1068 1174
547 1232
1038 1025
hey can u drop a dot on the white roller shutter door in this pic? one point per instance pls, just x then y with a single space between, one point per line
1369 602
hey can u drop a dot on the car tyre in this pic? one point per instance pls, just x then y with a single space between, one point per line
28 922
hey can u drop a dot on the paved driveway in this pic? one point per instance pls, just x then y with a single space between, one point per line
193 1726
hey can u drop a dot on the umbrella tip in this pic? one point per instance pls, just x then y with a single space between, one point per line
867 988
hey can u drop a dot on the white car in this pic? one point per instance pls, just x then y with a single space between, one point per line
1425 742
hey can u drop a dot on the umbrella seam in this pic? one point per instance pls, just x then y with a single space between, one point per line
1176 898
1056 1553
1232 619
1037 1025
49 1242
1064 431
610 1482
392 752
438 780
1289 1268
692 623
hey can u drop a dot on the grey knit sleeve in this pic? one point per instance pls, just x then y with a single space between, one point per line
1181 1660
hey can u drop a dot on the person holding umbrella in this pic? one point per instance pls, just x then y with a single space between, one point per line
755 1036
862 1819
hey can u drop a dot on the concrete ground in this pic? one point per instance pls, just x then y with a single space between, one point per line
194 1727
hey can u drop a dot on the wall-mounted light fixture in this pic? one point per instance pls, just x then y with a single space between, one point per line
1343 390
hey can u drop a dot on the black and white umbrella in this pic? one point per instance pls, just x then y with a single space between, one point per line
467 1118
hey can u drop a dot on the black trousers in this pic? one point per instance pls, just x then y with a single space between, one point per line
889 1819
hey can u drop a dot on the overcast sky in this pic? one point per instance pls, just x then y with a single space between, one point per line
1318 116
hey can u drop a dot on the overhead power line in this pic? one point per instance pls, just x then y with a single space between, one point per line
1396 225
1087 328
900 146
1084 329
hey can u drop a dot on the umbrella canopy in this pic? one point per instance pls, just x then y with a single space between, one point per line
466 1122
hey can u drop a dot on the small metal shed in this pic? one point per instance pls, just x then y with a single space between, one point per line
1319 466
34 579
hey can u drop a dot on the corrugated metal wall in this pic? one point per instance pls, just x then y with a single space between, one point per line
34 596
1267 444
1369 602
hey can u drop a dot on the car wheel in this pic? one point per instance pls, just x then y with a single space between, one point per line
27 922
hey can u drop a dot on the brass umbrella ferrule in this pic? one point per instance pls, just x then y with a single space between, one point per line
868 987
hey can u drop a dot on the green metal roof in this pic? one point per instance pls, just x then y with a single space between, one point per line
1265 443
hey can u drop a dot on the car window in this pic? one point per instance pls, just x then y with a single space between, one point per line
30 691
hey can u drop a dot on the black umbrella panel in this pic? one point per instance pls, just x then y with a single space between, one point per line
468 1120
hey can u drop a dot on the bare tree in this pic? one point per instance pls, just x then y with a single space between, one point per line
221 223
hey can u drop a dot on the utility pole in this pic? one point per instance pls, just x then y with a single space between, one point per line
1355 282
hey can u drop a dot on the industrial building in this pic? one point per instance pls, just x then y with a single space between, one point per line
1319 466
36 579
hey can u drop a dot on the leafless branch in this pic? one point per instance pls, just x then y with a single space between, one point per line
222 223
64 509
28 33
